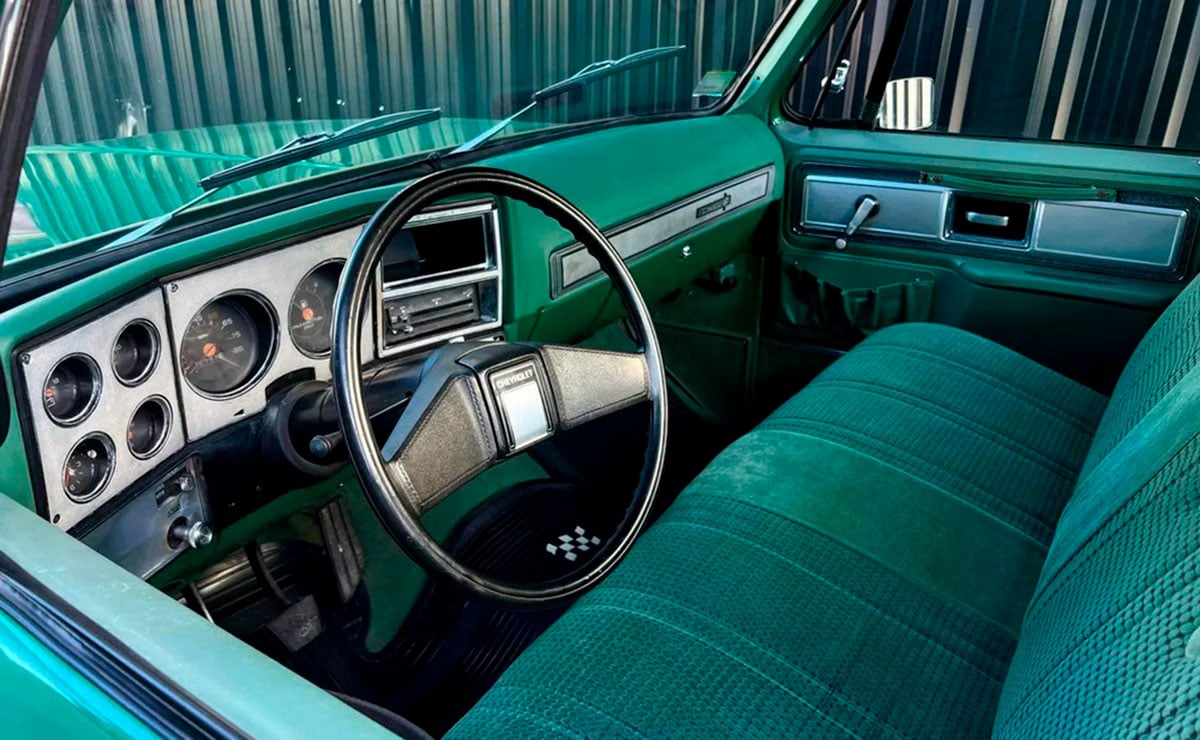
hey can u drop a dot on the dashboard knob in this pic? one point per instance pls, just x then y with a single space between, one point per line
195 534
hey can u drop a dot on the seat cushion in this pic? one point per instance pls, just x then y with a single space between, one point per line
975 419
836 571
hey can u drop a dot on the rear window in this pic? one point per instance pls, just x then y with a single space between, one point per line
1116 72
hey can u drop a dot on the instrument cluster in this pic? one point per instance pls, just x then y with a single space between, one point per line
117 395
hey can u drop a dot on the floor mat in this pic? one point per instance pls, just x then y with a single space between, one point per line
451 651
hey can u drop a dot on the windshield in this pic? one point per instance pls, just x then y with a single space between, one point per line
142 99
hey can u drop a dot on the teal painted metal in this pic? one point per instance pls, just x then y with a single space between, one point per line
48 698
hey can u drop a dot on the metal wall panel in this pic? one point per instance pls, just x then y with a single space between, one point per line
1098 71
123 67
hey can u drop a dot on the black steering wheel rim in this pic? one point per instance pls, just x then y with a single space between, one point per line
400 517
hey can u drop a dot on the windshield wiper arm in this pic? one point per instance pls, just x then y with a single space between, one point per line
592 73
297 150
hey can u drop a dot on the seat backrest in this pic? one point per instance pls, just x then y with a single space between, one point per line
1111 641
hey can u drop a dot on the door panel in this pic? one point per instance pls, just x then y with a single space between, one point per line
1098 242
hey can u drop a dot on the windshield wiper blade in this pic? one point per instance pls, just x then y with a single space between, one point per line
322 142
594 72
297 150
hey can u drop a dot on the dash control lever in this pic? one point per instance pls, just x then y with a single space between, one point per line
866 208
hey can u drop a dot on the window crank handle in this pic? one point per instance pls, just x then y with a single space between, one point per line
866 208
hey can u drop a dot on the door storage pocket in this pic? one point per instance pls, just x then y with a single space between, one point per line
852 299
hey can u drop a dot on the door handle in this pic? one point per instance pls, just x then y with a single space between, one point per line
987 219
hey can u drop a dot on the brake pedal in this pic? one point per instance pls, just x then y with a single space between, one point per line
342 547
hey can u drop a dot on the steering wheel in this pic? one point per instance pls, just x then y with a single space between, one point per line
479 403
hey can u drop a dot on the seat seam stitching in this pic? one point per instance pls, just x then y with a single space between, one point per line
845 700
1094 632
1052 587
1084 424
1039 530
990 515
576 700
954 605
716 648
995 436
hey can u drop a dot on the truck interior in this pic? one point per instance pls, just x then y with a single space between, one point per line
854 395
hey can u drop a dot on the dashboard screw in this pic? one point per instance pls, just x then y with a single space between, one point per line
25 358
174 287
685 252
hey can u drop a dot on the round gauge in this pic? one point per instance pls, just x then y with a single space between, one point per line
227 345
135 352
71 390
88 468
148 427
310 315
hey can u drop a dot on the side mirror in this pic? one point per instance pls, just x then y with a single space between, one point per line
907 105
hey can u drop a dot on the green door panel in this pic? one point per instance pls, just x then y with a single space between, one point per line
1084 324
236 682
45 697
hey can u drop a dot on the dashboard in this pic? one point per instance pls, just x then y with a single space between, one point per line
163 399
117 395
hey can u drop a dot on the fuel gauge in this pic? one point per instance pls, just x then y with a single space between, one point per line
88 468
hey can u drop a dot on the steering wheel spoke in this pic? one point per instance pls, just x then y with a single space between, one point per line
442 440
590 383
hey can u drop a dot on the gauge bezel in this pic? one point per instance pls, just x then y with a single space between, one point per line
161 440
155 353
97 389
270 330
110 449
287 316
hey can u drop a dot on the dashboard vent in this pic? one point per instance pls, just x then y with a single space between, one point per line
425 314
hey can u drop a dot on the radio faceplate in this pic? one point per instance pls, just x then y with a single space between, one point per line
440 279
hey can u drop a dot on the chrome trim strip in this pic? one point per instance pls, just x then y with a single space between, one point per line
920 213
451 214
1148 236
572 265
1095 232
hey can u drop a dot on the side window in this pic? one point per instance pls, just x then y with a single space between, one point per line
1088 71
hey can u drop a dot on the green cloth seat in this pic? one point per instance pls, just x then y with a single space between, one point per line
907 548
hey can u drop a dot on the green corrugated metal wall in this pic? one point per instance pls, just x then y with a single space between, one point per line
169 64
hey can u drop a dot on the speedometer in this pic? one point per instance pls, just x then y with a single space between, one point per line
227 345
310 316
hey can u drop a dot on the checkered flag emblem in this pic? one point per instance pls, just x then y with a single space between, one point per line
570 545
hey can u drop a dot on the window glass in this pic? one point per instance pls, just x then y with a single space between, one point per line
1114 72
143 98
